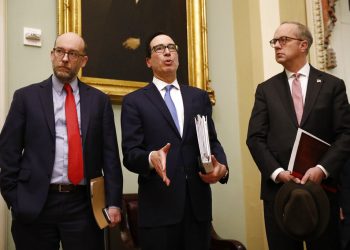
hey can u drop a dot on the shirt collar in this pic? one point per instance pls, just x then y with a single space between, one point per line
161 85
58 85
304 71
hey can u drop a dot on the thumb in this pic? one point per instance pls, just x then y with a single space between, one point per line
214 161
166 148
304 179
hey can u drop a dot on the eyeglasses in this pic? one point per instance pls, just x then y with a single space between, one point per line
160 48
282 40
72 54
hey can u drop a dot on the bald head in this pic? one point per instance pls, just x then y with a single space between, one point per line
74 39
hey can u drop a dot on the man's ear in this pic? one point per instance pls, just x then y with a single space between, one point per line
52 56
84 61
148 62
304 45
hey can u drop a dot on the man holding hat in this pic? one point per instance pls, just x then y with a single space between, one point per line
302 211
300 96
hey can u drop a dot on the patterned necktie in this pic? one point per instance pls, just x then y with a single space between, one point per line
171 106
75 155
297 97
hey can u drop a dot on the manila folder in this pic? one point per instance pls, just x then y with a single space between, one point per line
98 201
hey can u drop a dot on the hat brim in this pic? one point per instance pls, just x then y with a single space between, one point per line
320 198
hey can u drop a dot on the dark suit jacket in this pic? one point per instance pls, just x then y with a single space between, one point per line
27 147
273 124
147 125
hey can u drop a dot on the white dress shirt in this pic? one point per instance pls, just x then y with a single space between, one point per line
60 168
176 96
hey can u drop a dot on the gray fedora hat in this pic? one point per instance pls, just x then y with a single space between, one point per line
302 211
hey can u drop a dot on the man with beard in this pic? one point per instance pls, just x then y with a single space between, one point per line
59 134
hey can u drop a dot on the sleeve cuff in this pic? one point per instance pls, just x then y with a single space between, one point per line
323 170
149 161
275 174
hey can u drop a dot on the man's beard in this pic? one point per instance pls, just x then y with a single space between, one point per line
64 77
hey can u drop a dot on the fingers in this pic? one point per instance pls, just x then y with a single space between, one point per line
314 174
295 179
166 180
286 176
305 178
207 178
114 215
161 171
163 152
214 160
158 159
220 168
215 175
166 148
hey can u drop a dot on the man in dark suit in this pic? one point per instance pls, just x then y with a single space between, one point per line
35 152
174 197
273 126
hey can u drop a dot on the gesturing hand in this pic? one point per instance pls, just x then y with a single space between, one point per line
158 160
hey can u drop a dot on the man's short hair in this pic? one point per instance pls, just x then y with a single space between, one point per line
149 40
303 33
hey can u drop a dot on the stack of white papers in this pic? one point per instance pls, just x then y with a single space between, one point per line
203 142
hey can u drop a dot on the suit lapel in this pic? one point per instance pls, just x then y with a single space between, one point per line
155 97
47 104
84 108
313 88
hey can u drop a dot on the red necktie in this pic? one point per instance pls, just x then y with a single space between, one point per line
75 155
297 97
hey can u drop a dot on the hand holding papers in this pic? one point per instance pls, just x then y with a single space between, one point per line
307 151
203 142
98 202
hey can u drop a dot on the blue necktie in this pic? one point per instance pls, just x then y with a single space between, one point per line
171 106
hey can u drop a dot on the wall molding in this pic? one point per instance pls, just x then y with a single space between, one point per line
321 19
315 23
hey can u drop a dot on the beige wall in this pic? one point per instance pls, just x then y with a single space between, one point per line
228 200
249 72
293 10
27 64
340 40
